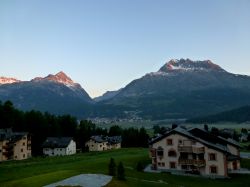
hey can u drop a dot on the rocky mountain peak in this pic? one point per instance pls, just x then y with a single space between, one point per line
60 77
189 65
6 80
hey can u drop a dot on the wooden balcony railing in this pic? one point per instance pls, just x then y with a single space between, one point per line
186 149
198 150
191 149
198 163
153 153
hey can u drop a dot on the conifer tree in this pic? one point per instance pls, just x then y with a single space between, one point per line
120 172
112 167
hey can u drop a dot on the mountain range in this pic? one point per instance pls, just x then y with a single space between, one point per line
54 93
179 89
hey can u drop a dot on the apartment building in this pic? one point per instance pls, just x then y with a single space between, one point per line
194 151
14 145
102 143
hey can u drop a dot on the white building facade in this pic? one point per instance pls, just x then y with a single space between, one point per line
62 146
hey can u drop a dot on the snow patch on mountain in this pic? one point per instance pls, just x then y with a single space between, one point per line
60 77
189 65
6 80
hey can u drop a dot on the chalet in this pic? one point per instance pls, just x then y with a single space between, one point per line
194 151
101 143
59 146
14 145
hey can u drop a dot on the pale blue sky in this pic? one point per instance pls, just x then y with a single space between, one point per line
105 44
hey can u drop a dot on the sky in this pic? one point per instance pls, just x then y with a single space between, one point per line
105 44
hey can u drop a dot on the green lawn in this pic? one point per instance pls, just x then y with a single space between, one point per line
42 171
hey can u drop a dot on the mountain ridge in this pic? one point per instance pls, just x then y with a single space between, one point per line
180 89
170 92
57 94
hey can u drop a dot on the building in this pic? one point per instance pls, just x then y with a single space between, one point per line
194 151
101 143
59 146
14 145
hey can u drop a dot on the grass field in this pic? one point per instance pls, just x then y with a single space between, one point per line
41 171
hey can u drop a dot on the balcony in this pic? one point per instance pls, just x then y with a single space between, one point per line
198 150
198 163
185 149
7 153
8 147
191 149
153 153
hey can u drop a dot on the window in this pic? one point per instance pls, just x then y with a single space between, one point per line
172 165
21 150
171 153
23 155
23 143
180 142
0 150
213 169
161 164
212 156
24 138
160 151
169 142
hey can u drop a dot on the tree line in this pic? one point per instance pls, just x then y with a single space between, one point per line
238 115
42 125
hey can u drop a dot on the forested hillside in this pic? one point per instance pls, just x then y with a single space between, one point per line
238 115
41 125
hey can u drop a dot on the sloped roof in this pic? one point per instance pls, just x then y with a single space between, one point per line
8 134
201 133
57 142
109 139
114 139
99 139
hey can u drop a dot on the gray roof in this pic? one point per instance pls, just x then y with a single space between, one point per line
109 139
56 142
8 134
99 139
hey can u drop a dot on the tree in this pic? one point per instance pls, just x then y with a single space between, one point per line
120 172
205 127
143 137
112 167
115 131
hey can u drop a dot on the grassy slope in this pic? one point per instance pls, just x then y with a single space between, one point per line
42 171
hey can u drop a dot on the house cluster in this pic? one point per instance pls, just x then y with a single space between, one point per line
194 151
60 146
101 143
17 145
14 145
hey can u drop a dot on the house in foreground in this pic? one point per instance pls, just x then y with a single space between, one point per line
59 146
14 145
194 151
102 143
